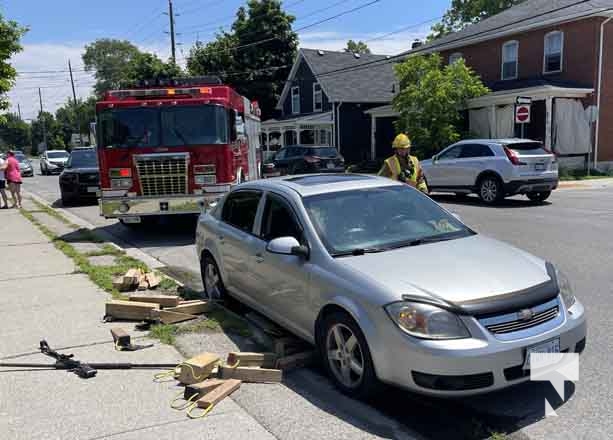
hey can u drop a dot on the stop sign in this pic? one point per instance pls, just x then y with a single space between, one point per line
522 113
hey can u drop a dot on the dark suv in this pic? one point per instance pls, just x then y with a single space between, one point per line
81 178
302 159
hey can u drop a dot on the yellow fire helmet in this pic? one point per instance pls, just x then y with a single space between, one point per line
402 141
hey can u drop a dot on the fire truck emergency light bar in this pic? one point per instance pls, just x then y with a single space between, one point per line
160 92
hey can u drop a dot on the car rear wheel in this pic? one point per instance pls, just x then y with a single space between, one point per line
490 190
538 196
347 357
211 279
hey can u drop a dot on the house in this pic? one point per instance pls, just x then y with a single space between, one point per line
559 54
325 99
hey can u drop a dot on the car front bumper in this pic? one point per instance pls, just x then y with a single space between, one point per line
475 365
121 207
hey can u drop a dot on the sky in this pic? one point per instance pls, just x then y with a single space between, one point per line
60 29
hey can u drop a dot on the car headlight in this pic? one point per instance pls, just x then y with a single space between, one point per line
426 321
565 289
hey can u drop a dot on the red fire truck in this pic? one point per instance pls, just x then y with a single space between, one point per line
170 146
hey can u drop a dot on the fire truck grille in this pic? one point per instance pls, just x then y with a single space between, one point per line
162 174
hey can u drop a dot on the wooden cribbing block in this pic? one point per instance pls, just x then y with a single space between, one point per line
171 317
198 368
190 301
142 282
162 300
219 393
132 277
245 359
201 388
120 284
153 280
298 360
196 308
251 374
120 336
130 310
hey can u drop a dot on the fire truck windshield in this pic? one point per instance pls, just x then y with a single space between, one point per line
164 126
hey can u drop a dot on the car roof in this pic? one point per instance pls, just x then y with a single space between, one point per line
506 141
313 184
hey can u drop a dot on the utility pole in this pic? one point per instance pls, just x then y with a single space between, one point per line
42 119
19 111
172 32
74 97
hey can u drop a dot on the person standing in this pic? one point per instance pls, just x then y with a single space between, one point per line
3 184
13 177
404 167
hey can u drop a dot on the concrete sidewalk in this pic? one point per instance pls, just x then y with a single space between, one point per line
41 297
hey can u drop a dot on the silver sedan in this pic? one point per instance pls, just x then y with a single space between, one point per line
387 284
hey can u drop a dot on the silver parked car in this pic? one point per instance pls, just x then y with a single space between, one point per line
53 161
494 169
387 284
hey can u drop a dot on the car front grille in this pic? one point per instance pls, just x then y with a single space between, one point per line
522 319
89 177
162 174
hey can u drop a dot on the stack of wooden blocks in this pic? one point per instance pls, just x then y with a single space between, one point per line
136 278
168 309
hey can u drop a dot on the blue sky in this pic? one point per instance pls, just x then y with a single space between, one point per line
59 30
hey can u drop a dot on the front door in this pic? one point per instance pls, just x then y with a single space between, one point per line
444 172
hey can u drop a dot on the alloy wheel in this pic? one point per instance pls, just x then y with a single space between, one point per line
489 190
345 355
212 282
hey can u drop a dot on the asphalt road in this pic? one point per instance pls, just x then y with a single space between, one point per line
572 230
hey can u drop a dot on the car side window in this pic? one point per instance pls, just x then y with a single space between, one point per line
475 150
279 220
294 152
452 153
240 209
281 154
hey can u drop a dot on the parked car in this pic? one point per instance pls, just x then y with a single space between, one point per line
302 159
387 284
53 161
81 178
494 169
25 166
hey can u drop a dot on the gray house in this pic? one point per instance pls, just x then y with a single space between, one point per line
325 100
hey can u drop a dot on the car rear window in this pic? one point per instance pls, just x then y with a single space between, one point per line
321 152
528 148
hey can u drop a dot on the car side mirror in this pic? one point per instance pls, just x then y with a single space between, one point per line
287 246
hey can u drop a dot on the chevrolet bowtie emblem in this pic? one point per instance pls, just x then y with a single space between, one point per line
525 314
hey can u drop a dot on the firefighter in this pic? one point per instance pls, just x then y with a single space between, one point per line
402 166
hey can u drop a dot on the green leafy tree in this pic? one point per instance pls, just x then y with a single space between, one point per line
108 59
255 56
149 66
55 138
10 36
357 47
430 99
14 132
465 12
75 119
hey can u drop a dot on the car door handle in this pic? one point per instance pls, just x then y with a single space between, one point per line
220 238
259 258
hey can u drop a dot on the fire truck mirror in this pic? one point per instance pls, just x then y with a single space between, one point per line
232 121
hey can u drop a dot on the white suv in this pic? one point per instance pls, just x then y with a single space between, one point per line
494 169
53 161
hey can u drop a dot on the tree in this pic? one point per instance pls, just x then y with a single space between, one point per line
149 66
430 99
14 132
109 58
69 116
10 36
55 139
357 47
465 12
255 56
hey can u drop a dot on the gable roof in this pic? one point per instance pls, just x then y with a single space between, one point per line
528 15
373 83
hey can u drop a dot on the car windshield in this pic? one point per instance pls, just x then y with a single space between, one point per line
170 126
83 159
21 158
57 154
379 219
321 152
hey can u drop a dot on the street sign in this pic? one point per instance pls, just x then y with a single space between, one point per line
523 100
522 114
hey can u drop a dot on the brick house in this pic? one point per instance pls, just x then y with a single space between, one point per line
324 103
560 54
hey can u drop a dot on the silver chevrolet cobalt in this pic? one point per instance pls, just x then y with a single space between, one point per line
387 284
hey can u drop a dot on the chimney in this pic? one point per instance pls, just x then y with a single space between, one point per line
417 43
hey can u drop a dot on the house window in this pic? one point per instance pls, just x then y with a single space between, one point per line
554 45
295 100
318 101
509 59
455 57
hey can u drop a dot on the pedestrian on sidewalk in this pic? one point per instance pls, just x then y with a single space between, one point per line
3 184
13 177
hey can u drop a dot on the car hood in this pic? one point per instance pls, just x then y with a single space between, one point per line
457 271
87 170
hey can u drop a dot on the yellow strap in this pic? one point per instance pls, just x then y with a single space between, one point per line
238 362
199 416
184 405
170 373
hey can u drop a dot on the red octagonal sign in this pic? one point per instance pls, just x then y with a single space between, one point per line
522 114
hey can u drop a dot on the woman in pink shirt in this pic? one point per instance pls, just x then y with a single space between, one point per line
13 178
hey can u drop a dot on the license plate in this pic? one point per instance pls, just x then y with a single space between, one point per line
92 189
330 165
131 219
539 167
552 346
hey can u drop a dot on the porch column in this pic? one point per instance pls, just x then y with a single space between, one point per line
548 121
373 137
267 138
492 123
282 139
298 134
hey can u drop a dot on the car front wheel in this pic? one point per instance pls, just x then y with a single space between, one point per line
490 190
347 357
538 196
